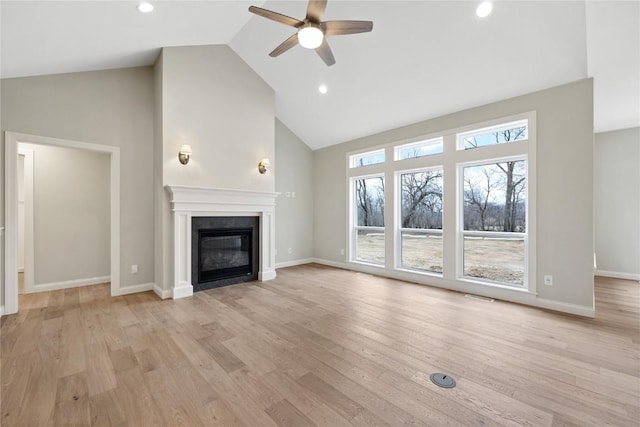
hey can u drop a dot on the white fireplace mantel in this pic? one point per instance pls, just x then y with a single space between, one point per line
187 202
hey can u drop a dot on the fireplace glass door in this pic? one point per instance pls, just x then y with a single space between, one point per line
224 253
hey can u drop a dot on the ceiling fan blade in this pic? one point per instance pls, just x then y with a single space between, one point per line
275 16
325 53
337 28
315 10
285 46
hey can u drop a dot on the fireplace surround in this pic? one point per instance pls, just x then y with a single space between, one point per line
189 202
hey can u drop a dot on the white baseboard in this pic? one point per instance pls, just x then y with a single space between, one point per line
263 276
335 264
516 296
71 284
579 310
1 310
134 289
20 269
184 291
293 263
617 275
162 293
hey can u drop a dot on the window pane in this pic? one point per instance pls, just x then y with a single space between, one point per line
497 259
419 149
366 159
422 199
369 201
495 135
422 251
370 246
495 197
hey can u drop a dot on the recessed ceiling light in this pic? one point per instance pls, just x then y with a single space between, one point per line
484 9
322 89
145 7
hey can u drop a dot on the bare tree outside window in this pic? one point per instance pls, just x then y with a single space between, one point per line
422 199
484 193
369 204
421 211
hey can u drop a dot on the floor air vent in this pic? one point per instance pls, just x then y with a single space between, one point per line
479 298
443 380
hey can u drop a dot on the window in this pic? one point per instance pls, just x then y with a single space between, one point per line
366 159
509 132
462 205
368 204
421 220
419 149
494 221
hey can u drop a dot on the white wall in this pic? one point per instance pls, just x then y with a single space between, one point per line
617 197
208 97
71 214
113 107
564 210
293 170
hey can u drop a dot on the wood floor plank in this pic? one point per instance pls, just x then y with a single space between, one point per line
317 346
72 401
286 415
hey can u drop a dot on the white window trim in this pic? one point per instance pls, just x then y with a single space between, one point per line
417 144
488 129
449 160
353 220
397 220
352 157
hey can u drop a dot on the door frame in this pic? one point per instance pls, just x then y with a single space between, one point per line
28 242
12 139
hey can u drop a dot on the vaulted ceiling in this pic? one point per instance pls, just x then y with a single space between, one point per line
423 59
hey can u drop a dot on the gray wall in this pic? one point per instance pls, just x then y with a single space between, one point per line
212 100
564 185
208 97
293 170
71 214
113 107
617 196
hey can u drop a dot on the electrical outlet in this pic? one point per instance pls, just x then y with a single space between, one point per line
341 251
287 194
290 250
134 269
548 280
293 194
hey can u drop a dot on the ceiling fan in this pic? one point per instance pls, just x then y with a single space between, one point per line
313 31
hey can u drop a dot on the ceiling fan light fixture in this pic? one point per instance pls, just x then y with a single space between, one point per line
310 37
145 7
484 9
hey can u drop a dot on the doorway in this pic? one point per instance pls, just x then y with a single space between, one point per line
11 253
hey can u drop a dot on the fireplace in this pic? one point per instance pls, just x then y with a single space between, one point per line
188 203
224 251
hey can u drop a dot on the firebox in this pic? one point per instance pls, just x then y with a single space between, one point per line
224 251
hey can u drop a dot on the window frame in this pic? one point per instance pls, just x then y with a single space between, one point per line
353 220
461 136
398 229
461 232
449 161
417 143
353 156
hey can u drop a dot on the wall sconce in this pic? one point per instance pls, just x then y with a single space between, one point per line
263 166
184 154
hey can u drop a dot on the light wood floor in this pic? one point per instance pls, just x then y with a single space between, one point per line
318 346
